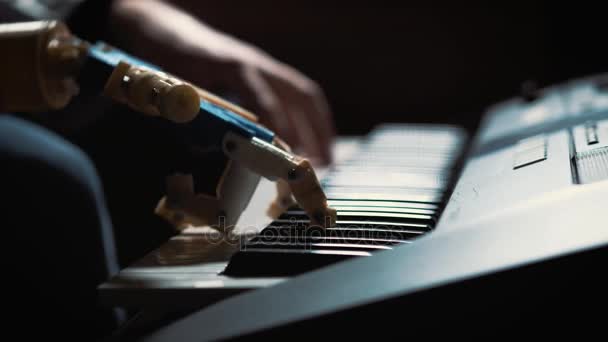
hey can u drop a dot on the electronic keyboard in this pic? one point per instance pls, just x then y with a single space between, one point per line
444 229
389 193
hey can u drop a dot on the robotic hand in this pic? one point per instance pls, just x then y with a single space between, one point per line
44 67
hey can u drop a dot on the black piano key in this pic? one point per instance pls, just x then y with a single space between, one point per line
355 224
295 242
350 225
387 194
383 233
295 236
345 210
381 204
377 233
364 216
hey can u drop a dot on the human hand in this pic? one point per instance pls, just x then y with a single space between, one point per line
286 101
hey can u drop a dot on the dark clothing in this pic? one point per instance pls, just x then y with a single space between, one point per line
58 227
57 234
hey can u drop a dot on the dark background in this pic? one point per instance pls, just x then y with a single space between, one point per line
379 62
